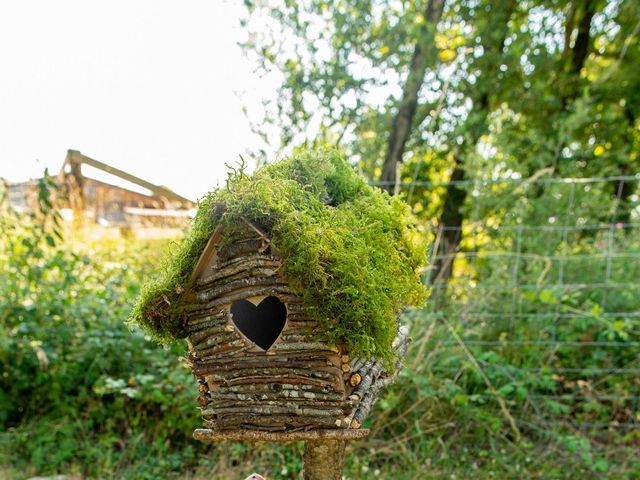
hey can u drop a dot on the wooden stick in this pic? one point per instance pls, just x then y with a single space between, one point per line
210 336
270 422
266 410
206 294
208 435
212 345
308 358
242 266
275 400
220 348
281 291
325 373
298 346
301 389
239 248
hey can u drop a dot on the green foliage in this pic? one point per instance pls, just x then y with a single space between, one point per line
347 248
150 310
501 96
83 396
75 382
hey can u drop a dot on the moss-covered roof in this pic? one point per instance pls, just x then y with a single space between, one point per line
348 248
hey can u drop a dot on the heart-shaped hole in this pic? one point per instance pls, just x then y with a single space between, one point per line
261 324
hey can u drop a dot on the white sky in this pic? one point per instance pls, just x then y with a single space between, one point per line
146 86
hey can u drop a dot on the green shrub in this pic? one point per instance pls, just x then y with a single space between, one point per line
79 391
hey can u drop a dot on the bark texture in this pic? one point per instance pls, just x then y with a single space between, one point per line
323 459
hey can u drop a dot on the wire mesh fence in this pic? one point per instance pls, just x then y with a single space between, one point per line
542 308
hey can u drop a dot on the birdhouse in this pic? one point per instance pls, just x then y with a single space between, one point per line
288 291
261 361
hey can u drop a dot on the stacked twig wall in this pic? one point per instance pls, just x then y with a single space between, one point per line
300 382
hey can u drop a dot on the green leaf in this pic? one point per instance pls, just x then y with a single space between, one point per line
547 296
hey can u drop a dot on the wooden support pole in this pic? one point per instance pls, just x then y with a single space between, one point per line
323 449
323 459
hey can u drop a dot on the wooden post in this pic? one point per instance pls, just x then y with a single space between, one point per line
323 459
323 449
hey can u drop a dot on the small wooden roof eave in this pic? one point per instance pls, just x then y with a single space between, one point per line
208 255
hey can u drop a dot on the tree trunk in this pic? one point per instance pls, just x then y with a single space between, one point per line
622 191
450 228
402 122
450 221
578 56
579 52
583 40
323 459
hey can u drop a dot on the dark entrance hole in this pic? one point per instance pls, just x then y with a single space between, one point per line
261 324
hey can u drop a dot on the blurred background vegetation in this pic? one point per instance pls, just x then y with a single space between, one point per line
512 130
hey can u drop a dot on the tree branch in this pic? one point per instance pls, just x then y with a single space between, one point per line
402 122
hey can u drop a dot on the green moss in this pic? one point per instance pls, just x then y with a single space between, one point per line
349 249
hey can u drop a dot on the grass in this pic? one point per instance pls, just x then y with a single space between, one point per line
446 452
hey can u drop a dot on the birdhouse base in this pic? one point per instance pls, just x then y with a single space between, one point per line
209 435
